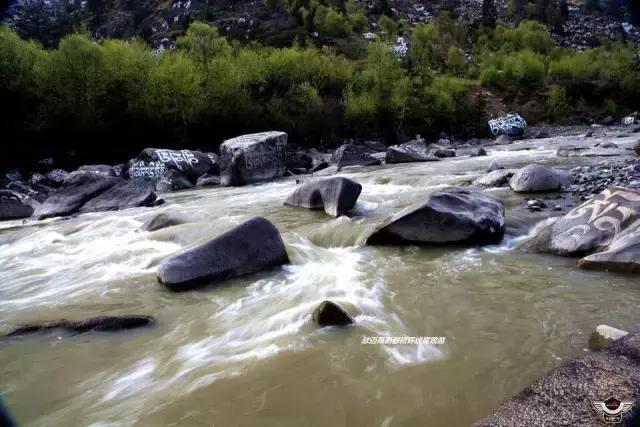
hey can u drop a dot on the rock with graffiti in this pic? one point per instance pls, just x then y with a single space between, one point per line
252 158
14 205
513 125
156 163
604 230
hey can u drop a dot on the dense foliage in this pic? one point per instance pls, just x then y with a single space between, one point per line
123 94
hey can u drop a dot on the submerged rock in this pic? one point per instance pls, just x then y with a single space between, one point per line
101 323
14 205
535 178
504 140
161 221
208 180
569 390
354 155
603 336
132 193
252 158
451 215
444 152
250 247
77 189
335 195
494 166
329 313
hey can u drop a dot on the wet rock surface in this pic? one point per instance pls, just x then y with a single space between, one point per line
132 193
329 313
252 158
535 178
248 248
355 155
335 195
100 324
451 215
14 205
593 179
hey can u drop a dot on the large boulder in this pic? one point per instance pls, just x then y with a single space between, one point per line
173 180
250 247
444 152
496 178
155 163
512 125
132 193
56 177
160 221
328 313
77 189
335 195
605 230
413 151
535 178
14 205
252 158
100 323
450 215
37 192
354 155
298 160
569 394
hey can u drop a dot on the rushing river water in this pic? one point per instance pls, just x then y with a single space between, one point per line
245 354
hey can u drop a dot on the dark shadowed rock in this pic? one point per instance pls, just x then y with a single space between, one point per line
13 175
497 178
132 193
208 180
250 247
37 192
101 323
637 148
606 230
77 189
329 313
413 151
536 177
564 396
334 195
252 158
14 205
354 155
156 163
173 181
320 166
105 170
298 160
451 215
444 152
161 221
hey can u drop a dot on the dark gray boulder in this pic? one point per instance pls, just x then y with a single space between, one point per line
329 313
101 323
155 163
605 230
251 247
132 193
413 151
496 178
319 166
298 160
173 181
565 395
77 189
37 192
161 221
451 215
535 178
14 205
569 150
354 155
494 166
637 148
208 180
335 195
105 170
252 158
13 175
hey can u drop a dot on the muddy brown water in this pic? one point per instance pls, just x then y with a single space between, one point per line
244 353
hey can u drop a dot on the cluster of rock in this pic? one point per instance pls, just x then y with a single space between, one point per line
593 179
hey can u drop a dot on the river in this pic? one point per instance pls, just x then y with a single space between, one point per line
245 354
